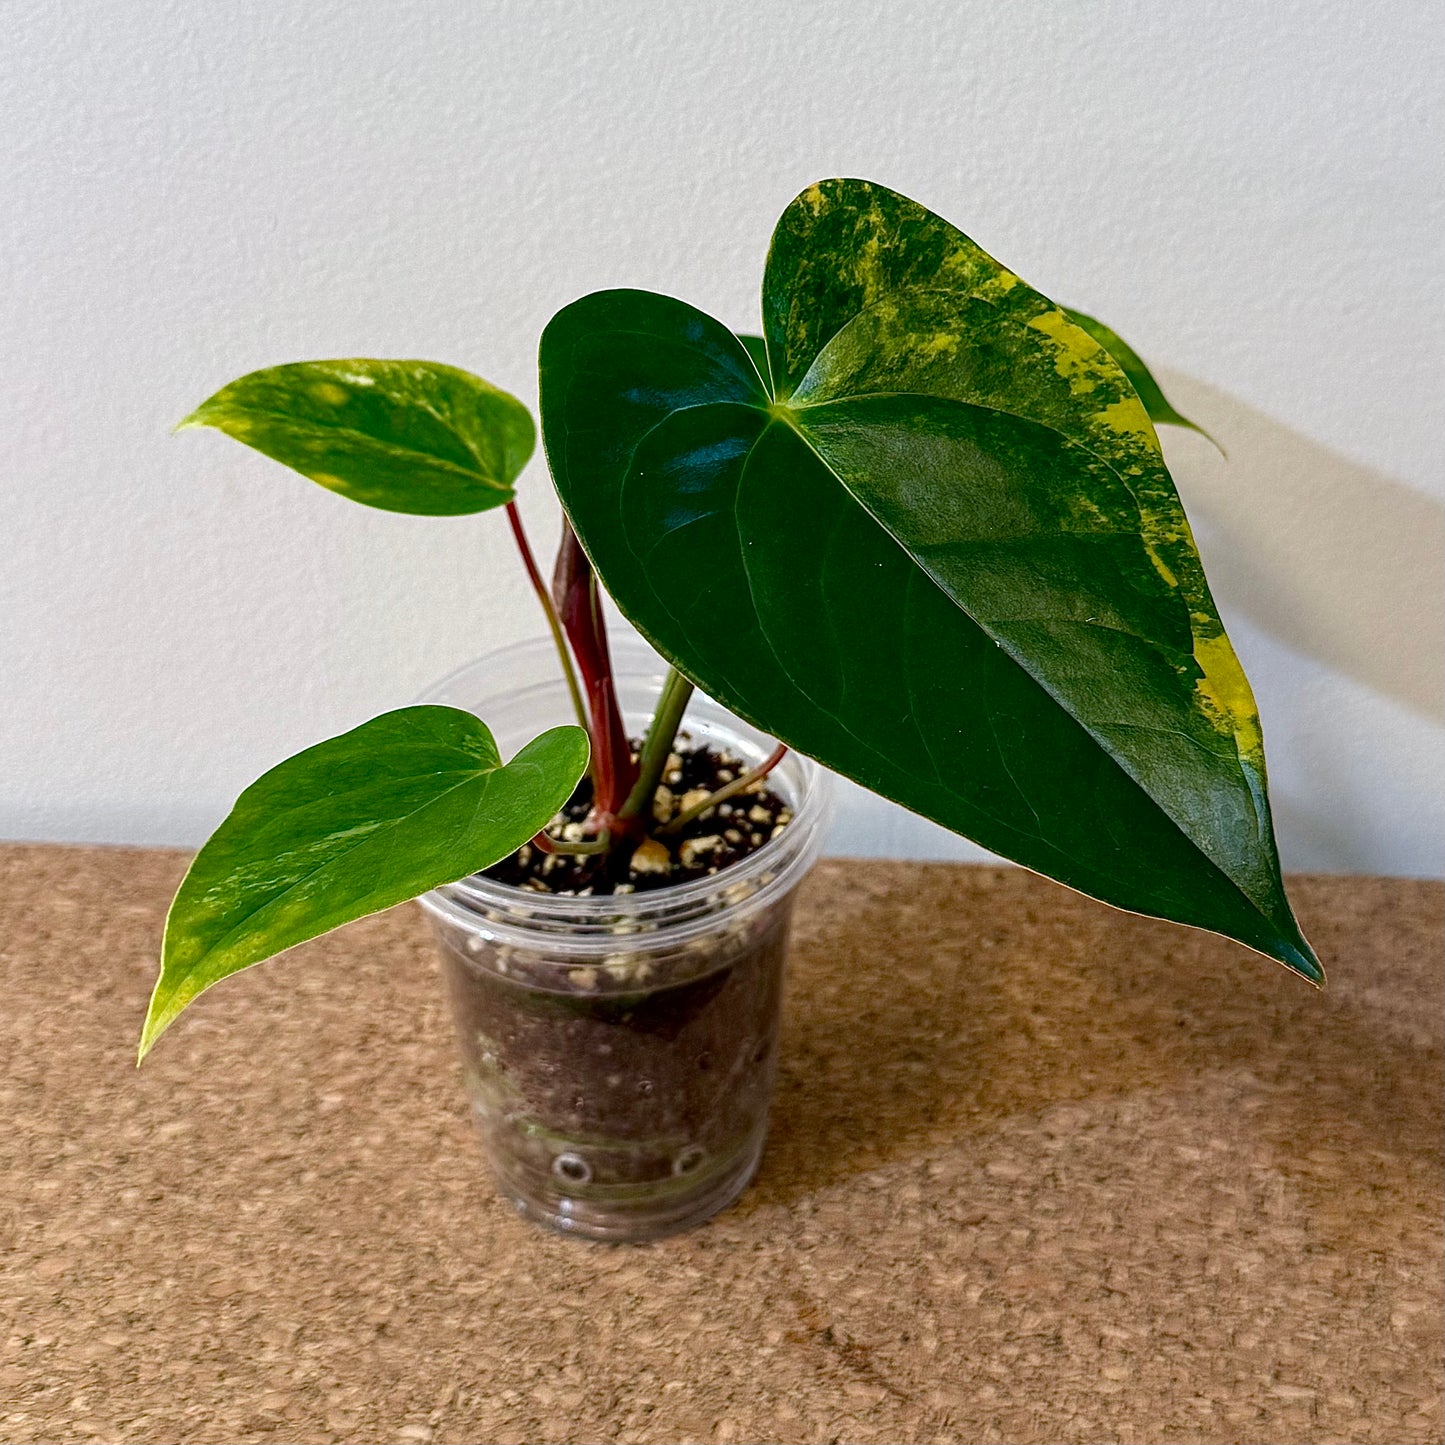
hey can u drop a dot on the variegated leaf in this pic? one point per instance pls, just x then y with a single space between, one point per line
934 544
405 436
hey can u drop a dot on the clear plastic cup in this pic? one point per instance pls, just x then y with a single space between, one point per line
620 1051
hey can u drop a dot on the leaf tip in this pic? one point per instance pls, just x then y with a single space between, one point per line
163 1007
153 1027
1300 959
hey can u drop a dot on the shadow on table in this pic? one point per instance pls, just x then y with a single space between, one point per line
997 996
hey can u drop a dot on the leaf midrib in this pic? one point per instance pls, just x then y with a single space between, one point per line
286 422
276 815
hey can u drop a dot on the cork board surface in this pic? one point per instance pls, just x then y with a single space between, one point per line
1039 1171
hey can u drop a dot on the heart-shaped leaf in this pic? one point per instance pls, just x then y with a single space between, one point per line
933 544
405 436
1160 408
404 803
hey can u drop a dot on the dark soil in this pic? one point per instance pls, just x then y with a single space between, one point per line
624 1090
722 836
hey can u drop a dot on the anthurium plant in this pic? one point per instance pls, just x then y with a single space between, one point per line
921 529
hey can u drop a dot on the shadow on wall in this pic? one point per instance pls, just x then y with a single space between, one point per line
1338 562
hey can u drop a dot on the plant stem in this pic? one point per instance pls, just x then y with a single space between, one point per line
553 621
676 692
579 608
729 790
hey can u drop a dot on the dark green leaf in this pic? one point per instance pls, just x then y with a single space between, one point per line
943 556
1160 408
406 436
404 803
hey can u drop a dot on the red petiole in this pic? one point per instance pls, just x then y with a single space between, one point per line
574 590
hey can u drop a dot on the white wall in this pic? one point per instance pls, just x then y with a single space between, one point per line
1250 192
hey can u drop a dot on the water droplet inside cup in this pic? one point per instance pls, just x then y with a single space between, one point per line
644 1087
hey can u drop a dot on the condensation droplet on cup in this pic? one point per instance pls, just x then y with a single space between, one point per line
573 1168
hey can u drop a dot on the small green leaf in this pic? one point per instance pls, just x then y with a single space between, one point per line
404 803
405 436
1160 408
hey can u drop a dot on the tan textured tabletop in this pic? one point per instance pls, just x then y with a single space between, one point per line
1039 1172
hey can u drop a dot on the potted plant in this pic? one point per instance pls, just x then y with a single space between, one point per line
921 531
